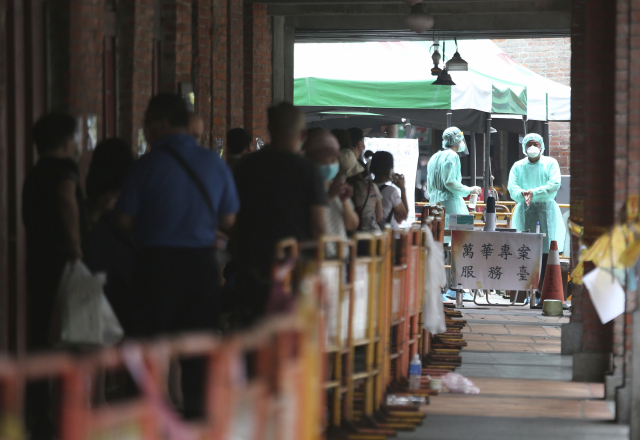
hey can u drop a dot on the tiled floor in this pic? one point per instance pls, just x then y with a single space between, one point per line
513 357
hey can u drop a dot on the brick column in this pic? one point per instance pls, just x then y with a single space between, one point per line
627 182
135 65
592 164
257 68
202 37
85 68
219 55
176 44
235 66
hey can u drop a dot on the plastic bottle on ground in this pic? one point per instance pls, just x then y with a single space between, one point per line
415 373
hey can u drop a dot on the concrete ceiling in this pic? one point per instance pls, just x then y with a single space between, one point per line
363 20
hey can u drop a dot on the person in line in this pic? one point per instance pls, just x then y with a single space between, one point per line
239 143
344 138
366 196
196 127
444 179
395 208
282 194
357 142
54 220
340 216
106 247
533 184
173 201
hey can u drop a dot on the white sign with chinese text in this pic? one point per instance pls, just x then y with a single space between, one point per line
405 161
496 260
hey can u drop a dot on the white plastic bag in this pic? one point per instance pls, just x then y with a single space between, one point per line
435 279
457 383
82 314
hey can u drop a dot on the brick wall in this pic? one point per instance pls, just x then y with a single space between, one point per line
176 44
219 57
551 58
85 69
135 65
221 47
202 20
258 71
235 67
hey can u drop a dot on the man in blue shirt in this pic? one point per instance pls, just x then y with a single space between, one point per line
174 201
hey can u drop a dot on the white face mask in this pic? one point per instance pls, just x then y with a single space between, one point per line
533 152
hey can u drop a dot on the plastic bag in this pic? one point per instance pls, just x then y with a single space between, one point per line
435 279
457 383
82 314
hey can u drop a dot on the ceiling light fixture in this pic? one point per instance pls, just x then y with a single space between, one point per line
436 57
444 79
457 64
418 20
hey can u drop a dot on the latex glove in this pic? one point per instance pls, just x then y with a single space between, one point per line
528 195
475 190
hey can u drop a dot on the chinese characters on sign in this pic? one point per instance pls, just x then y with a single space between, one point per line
496 260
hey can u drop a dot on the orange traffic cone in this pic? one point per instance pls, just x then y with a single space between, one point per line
552 285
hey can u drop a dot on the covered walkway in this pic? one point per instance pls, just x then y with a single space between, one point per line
526 392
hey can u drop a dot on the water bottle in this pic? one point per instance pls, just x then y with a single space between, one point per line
459 296
537 227
415 373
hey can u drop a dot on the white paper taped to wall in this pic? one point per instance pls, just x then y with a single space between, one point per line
607 295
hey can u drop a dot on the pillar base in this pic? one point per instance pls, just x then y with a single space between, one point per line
571 338
591 367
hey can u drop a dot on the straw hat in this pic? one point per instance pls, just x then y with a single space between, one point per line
349 165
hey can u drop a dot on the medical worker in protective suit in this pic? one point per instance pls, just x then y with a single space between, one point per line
444 183
533 184
444 180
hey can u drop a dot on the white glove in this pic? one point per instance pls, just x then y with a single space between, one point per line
475 190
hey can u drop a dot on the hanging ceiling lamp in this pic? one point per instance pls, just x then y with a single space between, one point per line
444 79
418 20
412 2
457 64
436 57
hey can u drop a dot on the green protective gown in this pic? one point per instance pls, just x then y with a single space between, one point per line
543 179
444 183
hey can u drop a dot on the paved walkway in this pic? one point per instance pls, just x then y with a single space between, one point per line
526 392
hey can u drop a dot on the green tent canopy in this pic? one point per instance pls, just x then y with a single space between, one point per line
394 79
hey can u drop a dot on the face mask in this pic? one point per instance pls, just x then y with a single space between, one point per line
329 172
533 152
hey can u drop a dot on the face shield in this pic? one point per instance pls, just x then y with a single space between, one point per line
462 148
453 137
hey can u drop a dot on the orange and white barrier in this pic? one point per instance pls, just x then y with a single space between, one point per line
321 370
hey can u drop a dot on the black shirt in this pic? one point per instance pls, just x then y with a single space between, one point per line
46 240
46 234
277 191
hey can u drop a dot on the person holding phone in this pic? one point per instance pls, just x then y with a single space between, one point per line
395 208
